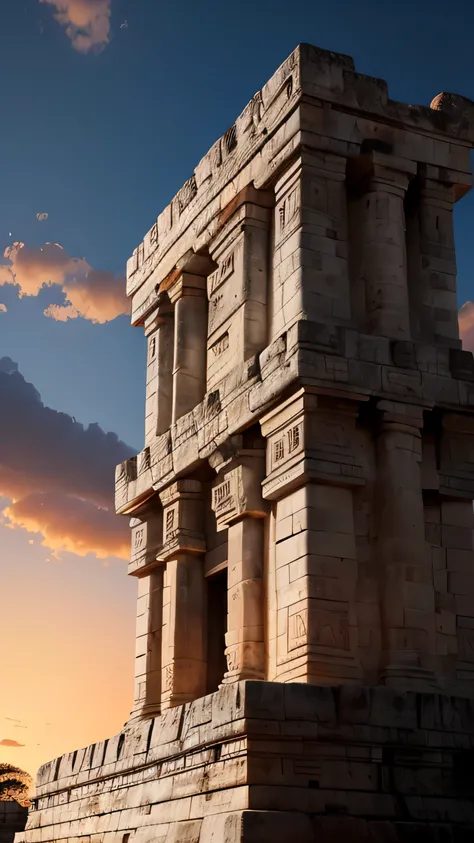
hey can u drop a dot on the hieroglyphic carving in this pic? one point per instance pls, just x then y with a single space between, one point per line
318 627
168 678
298 629
288 213
286 444
221 345
218 277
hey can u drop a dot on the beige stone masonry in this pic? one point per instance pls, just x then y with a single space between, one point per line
405 565
381 181
237 290
159 330
239 508
183 634
188 294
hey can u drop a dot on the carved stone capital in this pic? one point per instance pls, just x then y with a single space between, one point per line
187 284
237 492
147 537
183 518
374 171
310 437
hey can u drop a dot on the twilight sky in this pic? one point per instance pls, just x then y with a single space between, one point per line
108 105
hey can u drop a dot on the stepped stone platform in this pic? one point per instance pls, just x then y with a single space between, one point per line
302 510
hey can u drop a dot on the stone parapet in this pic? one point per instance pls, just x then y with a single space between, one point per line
259 761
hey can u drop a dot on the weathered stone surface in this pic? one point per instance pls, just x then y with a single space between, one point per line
302 508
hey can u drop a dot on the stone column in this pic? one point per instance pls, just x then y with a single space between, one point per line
239 507
381 181
184 615
189 296
147 536
406 584
159 330
432 266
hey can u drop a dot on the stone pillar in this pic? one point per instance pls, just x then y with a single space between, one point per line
310 258
159 330
406 583
189 296
380 181
147 537
312 471
184 610
432 263
239 507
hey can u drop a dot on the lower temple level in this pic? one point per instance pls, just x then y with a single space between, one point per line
260 762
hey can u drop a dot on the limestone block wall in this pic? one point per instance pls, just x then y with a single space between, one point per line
267 763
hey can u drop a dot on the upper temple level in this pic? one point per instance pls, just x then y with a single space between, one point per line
313 245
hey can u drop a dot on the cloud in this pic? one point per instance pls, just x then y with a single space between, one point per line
3 308
71 524
93 294
42 217
8 742
466 325
58 475
87 22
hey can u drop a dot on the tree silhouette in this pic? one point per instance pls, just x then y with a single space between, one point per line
14 784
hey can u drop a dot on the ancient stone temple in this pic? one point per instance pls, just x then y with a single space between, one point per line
301 513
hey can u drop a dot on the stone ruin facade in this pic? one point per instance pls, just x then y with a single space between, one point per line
301 513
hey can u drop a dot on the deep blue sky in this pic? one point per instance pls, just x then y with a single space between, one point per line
102 143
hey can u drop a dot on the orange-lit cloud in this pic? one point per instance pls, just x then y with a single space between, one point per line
87 22
58 474
466 325
71 524
3 308
93 294
8 742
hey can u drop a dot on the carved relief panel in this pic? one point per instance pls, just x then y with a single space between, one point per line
183 514
238 490
147 538
310 437
237 292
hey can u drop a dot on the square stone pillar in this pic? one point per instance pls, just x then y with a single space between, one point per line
238 506
310 259
188 294
312 470
432 261
380 183
237 289
159 330
406 580
184 609
147 538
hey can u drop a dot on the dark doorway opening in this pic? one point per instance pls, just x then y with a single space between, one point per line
216 629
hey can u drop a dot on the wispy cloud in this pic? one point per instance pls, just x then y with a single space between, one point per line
87 22
94 294
9 742
57 474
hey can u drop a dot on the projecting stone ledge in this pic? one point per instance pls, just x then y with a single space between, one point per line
260 762
324 358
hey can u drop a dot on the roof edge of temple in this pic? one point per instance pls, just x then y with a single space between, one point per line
311 73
